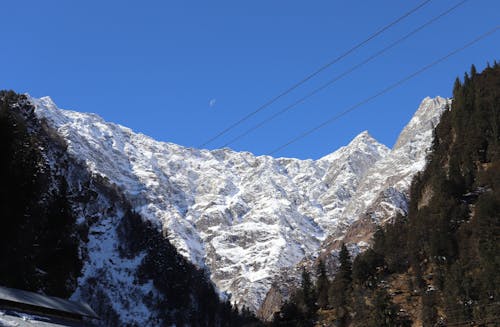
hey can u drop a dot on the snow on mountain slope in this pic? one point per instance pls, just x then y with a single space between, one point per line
384 191
242 217
380 195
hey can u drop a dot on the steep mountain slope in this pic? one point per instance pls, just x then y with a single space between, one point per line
380 196
242 217
384 192
39 243
65 232
438 264
385 188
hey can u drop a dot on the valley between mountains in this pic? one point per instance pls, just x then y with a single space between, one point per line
241 218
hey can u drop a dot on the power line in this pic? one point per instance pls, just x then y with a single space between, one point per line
479 321
316 72
474 306
452 316
342 75
387 89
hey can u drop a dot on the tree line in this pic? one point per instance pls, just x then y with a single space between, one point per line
445 253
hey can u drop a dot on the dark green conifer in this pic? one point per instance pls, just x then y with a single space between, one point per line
473 71
322 285
385 313
340 288
307 300
345 270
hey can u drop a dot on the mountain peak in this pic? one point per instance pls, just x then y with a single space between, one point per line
436 100
425 119
363 137
46 100
362 142
244 217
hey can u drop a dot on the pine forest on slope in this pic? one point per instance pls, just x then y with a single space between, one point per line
241 217
439 264
154 233
58 222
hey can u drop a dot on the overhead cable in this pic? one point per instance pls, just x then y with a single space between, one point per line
342 75
384 91
316 72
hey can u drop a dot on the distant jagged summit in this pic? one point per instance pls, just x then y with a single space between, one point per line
379 196
240 216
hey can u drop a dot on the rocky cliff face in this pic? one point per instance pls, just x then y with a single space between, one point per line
381 194
243 218
69 233
384 191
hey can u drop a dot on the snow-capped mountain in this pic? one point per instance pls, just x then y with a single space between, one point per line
241 217
382 193
384 190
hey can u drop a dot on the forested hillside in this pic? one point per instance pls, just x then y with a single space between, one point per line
70 232
51 210
440 264
38 239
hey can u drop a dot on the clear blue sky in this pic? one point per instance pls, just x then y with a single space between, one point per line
155 66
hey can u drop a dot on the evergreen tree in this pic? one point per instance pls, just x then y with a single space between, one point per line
307 301
429 312
446 249
473 71
339 291
289 315
322 285
379 241
364 267
345 269
457 85
385 313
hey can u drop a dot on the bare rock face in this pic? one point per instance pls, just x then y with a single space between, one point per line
381 194
247 219
384 191
274 299
239 216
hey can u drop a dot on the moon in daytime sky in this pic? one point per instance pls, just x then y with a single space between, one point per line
211 103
